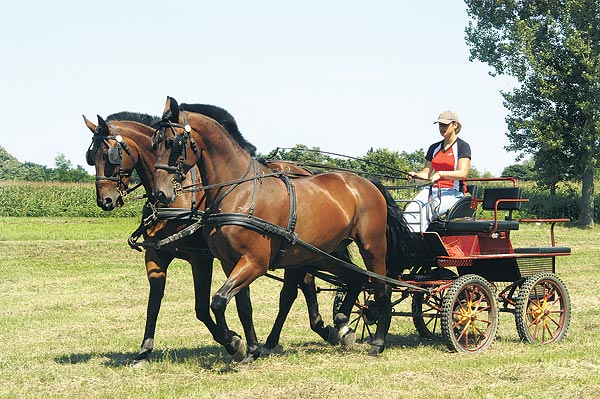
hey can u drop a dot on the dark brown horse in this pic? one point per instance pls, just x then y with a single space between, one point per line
256 220
115 161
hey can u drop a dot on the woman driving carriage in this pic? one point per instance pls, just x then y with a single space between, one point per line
447 163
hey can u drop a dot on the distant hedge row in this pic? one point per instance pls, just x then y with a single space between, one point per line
564 204
48 199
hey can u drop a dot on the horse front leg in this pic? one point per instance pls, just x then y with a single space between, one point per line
309 289
347 336
241 277
156 269
202 271
287 296
292 280
244 308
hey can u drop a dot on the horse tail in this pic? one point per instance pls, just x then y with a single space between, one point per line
401 240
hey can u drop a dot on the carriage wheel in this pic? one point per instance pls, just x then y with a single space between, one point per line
469 315
363 318
543 309
426 307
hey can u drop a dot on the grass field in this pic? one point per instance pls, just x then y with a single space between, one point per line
73 300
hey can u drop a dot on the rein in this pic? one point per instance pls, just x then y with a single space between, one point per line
339 168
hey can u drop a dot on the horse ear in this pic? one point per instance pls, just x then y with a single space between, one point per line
102 126
89 124
172 110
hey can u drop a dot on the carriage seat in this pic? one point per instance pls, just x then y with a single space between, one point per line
463 207
494 199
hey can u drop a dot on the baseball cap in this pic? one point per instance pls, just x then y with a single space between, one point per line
446 117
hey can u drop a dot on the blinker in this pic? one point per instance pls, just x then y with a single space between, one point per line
89 157
114 155
178 144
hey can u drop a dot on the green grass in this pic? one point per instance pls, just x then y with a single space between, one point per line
74 297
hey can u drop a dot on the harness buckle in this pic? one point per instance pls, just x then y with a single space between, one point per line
178 188
124 195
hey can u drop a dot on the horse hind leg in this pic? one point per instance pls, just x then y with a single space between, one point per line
383 294
373 252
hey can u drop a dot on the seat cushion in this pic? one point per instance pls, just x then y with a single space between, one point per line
469 225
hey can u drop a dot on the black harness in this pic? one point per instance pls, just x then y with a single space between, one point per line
213 218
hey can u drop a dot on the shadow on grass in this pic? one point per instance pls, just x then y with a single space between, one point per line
210 358
214 358
362 345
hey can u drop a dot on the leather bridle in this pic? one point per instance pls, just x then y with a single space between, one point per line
178 147
114 156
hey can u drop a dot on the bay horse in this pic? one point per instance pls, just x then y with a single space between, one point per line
255 219
115 161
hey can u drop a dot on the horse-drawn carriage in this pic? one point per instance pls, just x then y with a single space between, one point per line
256 217
470 272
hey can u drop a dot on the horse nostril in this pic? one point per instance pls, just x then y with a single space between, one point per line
107 204
162 197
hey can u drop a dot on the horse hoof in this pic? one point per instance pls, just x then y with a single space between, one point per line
265 352
332 336
375 350
247 361
140 364
240 353
147 348
340 320
347 338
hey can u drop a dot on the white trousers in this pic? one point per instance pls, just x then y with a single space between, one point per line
423 208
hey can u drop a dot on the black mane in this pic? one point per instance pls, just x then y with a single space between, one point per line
225 119
144 119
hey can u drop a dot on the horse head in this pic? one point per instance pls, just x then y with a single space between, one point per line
113 167
176 152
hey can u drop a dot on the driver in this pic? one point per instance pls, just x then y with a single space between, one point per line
447 163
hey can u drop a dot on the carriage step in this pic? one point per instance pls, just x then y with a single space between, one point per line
543 250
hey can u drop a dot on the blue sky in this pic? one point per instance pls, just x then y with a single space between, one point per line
344 76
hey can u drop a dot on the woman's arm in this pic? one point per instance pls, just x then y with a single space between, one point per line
424 173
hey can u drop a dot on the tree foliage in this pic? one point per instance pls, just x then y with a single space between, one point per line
12 169
524 171
381 161
552 48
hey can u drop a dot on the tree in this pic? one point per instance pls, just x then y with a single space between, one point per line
12 169
385 162
522 171
552 48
